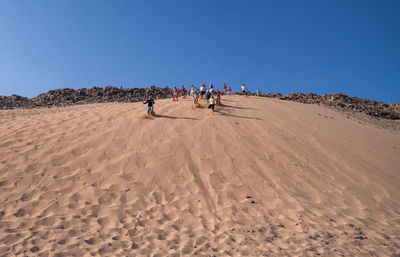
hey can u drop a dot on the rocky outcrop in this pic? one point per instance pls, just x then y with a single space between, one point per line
343 101
14 101
67 96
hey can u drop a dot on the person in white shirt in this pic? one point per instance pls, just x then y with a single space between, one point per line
243 88
211 90
191 90
203 90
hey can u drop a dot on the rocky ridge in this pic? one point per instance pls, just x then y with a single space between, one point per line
343 101
67 97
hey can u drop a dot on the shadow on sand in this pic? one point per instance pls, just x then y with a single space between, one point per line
174 117
237 107
237 116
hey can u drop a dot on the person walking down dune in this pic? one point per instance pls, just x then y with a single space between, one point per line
244 90
218 94
183 91
229 91
224 88
191 90
203 90
196 97
208 95
175 94
211 90
150 107
212 104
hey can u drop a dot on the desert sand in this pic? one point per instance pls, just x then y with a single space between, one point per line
261 177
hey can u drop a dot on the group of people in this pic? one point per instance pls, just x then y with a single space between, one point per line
211 95
202 91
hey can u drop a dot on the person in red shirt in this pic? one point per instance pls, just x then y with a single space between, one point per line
218 98
183 91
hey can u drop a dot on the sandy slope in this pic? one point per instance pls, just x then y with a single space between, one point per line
261 177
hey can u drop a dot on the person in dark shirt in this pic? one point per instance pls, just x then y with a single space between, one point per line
150 108
208 95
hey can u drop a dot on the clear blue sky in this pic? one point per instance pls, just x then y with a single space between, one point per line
278 46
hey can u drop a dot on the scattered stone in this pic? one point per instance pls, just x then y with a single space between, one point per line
329 235
324 241
361 237
35 249
314 237
60 226
19 213
262 230
91 241
134 246
62 242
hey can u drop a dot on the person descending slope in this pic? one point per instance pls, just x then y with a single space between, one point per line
208 95
212 104
175 94
150 108
218 94
244 90
183 91
203 90
224 89
196 97
191 90
211 90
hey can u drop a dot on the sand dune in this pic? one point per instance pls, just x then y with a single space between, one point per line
261 177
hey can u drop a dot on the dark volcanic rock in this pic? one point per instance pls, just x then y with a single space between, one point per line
343 101
68 96
14 101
